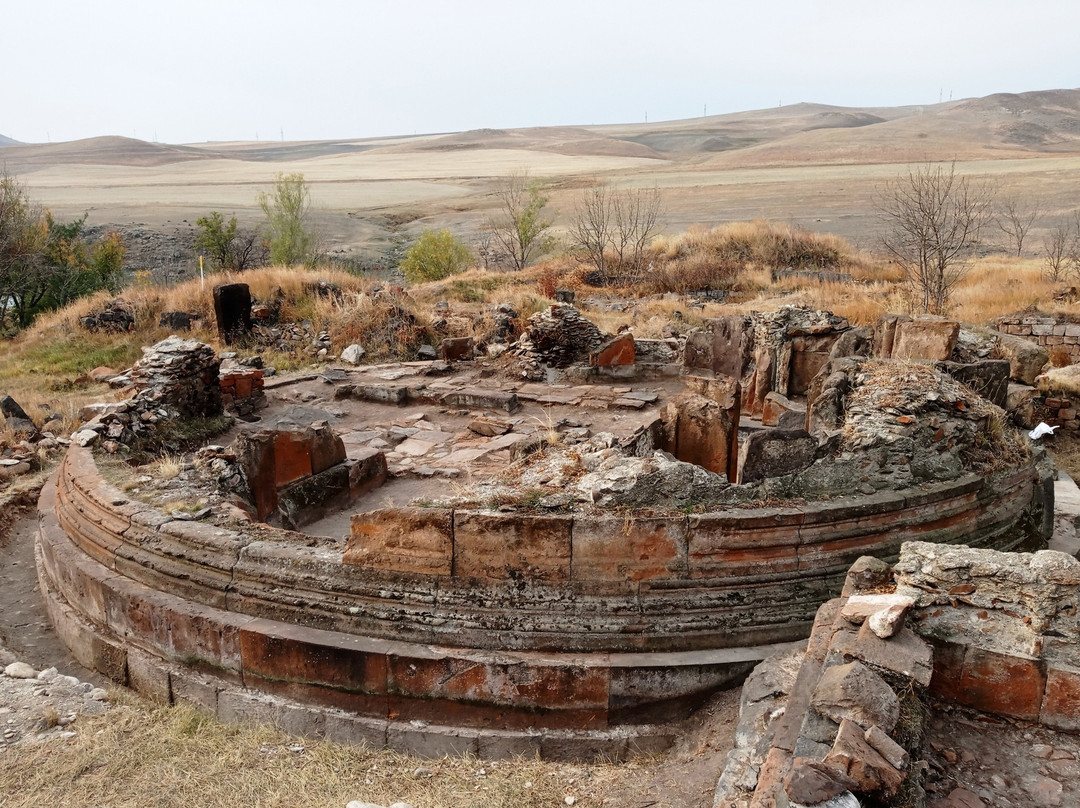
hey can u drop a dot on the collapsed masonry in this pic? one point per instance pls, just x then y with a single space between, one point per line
842 724
573 591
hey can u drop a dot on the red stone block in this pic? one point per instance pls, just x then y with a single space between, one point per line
516 684
502 546
945 682
278 651
721 545
616 351
243 386
1061 704
616 549
415 540
706 432
1003 684
453 349
326 448
292 457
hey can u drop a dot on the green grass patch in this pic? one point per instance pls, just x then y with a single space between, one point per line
73 356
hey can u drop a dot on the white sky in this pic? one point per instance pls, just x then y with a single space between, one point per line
319 69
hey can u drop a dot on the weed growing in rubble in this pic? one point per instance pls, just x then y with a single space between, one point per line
167 467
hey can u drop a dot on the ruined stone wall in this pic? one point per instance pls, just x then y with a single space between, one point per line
1049 332
989 630
1004 628
767 352
590 626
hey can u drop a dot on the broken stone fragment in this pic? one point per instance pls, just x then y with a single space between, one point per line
856 693
889 621
353 354
102 373
85 437
866 575
887 747
11 467
859 607
489 427
20 670
811 782
852 755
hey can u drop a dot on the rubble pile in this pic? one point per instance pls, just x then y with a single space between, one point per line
910 422
558 337
176 378
117 317
500 324
850 731
599 471
241 388
181 375
908 659
284 337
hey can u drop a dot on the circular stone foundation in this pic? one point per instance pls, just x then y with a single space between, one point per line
449 631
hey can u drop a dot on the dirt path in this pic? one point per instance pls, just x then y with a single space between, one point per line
25 630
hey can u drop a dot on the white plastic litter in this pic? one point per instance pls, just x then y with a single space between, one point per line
1042 429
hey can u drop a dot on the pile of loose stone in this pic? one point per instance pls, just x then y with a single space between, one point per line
176 378
557 337
597 471
44 705
24 454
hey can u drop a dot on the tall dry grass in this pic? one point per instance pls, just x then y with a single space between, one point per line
42 367
714 258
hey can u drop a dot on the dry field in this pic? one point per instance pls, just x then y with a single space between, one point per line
818 166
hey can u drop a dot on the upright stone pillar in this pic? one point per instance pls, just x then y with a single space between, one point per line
232 308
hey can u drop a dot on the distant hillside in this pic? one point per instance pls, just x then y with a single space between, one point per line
108 150
1003 125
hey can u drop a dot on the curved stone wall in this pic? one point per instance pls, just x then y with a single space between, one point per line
491 633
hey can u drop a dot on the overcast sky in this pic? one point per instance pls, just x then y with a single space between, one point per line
244 69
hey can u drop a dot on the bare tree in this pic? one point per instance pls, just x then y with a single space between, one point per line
935 218
487 252
1015 217
1061 249
520 229
590 227
635 214
1056 249
622 222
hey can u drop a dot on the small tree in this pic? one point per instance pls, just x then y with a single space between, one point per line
228 246
635 217
619 224
520 229
72 268
44 263
1061 249
1015 217
590 226
291 239
435 255
934 219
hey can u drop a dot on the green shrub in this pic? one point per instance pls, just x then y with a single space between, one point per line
435 255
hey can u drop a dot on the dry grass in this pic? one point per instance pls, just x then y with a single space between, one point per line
176 758
167 467
42 367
